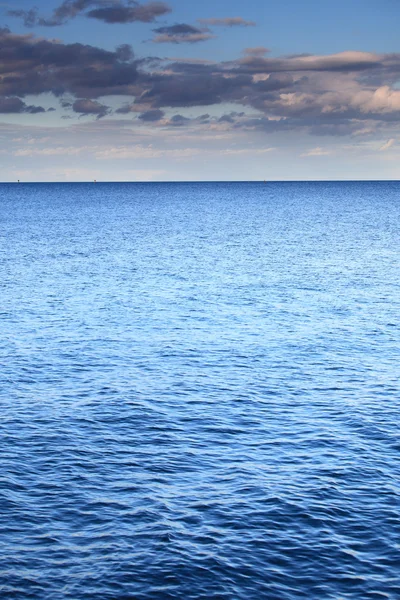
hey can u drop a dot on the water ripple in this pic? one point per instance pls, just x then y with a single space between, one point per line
200 391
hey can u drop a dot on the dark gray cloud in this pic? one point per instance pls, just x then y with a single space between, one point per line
318 94
230 117
124 52
16 105
145 13
181 33
30 65
226 119
29 17
124 110
201 86
109 11
68 10
85 106
152 116
175 91
276 82
180 120
228 22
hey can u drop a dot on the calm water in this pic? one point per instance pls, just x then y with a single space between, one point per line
200 391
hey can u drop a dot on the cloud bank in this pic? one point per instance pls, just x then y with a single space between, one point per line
328 95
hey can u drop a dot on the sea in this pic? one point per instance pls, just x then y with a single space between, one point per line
200 391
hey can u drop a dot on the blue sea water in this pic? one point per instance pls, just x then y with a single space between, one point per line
199 391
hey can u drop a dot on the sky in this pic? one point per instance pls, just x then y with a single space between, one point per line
178 90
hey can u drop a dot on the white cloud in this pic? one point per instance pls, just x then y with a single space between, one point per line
59 151
387 145
239 151
124 152
316 152
136 152
363 131
382 100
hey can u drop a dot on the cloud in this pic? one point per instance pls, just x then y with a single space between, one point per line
349 61
152 116
316 152
257 51
145 13
179 120
29 17
382 100
16 105
142 152
57 151
346 93
227 22
387 145
244 151
364 131
30 65
181 33
85 106
109 11
201 86
69 9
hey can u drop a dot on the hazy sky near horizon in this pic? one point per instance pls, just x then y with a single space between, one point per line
179 90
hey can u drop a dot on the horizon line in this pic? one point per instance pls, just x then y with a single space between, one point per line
263 181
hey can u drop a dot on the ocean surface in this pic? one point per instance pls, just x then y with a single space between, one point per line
199 391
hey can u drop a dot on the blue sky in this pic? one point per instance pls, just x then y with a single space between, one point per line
199 91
